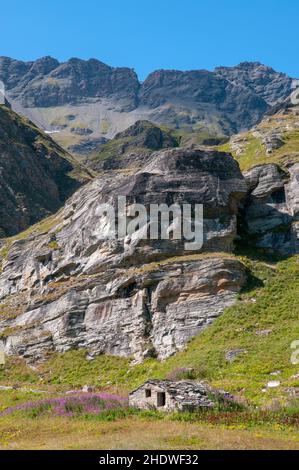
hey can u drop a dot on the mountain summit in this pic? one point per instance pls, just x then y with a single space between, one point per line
82 102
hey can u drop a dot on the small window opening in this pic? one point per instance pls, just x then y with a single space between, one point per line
161 399
148 393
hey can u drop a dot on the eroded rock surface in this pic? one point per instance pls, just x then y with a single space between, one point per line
272 209
74 287
127 313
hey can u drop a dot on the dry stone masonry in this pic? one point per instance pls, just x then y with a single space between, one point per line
166 395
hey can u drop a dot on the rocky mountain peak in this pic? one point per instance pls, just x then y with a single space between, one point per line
44 65
106 100
47 82
148 135
132 147
264 81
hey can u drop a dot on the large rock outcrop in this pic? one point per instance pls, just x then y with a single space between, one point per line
271 214
154 312
269 156
74 287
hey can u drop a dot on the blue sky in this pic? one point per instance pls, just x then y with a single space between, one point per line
151 34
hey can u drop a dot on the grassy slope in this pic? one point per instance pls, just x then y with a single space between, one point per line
273 307
112 149
198 137
254 152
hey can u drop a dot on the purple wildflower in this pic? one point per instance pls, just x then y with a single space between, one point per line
71 405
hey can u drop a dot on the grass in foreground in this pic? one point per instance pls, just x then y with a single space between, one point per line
33 425
140 432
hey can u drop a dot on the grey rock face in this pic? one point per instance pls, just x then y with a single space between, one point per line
47 82
292 191
264 180
73 287
208 94
129 314
271 211
185 303
173 176
271 86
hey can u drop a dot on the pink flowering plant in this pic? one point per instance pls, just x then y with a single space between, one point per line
70 406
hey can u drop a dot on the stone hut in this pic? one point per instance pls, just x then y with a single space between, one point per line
168 395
